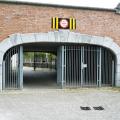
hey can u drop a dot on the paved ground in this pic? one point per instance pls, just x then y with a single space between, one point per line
41 78
58 104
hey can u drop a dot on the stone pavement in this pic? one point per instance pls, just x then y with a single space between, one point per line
60 104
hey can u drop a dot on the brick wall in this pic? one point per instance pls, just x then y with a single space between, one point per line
30 18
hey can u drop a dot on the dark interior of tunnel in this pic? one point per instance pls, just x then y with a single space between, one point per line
39 66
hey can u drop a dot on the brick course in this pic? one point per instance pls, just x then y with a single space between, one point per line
19 18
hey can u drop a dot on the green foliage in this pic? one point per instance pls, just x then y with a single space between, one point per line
40 55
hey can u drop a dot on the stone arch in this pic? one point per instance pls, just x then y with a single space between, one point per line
62 36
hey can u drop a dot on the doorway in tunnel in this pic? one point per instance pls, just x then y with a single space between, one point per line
39 66
39 70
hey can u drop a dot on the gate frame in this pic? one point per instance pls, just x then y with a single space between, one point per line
61 36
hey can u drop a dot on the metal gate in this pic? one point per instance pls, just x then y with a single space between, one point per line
87 66
77 66
13 68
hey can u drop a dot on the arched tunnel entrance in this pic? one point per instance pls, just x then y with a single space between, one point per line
74 65
39 66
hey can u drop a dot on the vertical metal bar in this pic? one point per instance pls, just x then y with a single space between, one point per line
9 71
73 79
57 65
86 52
12 72
21 67
5 71
113 73
88 63
104 74
95 69
70 64
15 60
73 67
16 65
3 75
7 82
109 76
18 68
95 62
6 68
93 66
66 67
100 69
14 68
82 66
14 84
103 67
62 66
79 67
98 56
11 64
76 65
90 52
106 64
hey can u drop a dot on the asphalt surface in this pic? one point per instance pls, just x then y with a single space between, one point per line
41 99
60 104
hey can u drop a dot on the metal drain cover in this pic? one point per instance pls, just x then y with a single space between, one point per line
98 108
85 108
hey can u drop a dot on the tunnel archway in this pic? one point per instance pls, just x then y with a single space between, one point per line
40 69
78 65
63 38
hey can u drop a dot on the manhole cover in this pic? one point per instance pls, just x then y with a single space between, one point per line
85 108
98 108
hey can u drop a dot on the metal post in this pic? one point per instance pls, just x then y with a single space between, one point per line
62 65
99 67
58 67
70 66
82 66
21 67
3 75
113 73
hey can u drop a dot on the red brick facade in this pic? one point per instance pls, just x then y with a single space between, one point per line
19 18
